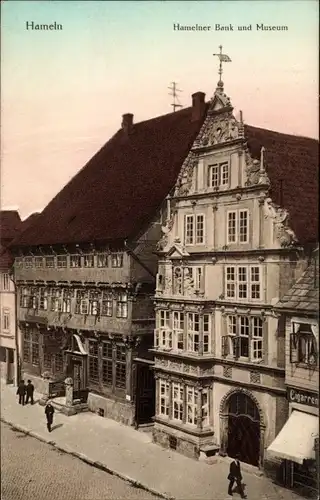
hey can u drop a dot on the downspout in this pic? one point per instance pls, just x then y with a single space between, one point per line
136 258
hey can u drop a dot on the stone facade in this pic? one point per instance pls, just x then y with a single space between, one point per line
226 257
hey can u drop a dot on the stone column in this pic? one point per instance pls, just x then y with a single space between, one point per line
170 398
261 458
69 391
157 395
184 414
261 221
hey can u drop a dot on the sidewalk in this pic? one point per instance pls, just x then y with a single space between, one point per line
131 455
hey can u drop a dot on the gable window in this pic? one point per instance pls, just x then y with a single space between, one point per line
194 229
5 282
38 262
218 175
248 284
88 260
107 304
6 319
193 332
303 345
177 400
122 305
61 261
75 260
117 259
244 338
28 262
237 230
164 398
49 261
102 260
178 329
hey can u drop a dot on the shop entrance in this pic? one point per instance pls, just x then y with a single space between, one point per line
243 429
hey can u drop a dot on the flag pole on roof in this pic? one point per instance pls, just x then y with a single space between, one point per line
176 102
222 58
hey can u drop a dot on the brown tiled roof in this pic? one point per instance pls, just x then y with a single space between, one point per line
292 166
10 224
304 295
121 187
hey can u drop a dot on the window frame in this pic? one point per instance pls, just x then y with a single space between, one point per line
178 318
177 402
236 338
191 405
122 305
191 229
6 320
193 333
164 398
247 290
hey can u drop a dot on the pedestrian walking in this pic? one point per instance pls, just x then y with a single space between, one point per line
235 476
49 411
29 392
21 392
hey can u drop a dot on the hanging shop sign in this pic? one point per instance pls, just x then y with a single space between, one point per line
302 397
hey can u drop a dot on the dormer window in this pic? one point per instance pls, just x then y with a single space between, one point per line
218 175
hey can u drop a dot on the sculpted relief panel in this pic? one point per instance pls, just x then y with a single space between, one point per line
280 216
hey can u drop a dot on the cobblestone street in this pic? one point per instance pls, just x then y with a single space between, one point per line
32 470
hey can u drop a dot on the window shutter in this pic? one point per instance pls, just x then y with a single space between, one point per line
224 346
293 348
236 347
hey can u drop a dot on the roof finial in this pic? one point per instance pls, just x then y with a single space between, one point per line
222 58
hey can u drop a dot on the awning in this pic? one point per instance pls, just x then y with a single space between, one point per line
296 439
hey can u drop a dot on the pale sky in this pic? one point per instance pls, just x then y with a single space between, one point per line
64 92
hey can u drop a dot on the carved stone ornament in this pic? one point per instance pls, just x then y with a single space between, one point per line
185 177
218 129
162 243
282 232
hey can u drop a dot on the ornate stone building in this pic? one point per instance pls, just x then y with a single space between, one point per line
240 220
85 271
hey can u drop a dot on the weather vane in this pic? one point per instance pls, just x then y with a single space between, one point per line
222 58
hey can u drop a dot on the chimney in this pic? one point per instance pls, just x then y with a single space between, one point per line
127 123
198 105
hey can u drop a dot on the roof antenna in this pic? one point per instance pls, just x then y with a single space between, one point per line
176 102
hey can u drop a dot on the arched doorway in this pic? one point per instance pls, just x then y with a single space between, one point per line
243 428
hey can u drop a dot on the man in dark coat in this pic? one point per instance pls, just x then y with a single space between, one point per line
21 392
29 391
49 411
235 476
